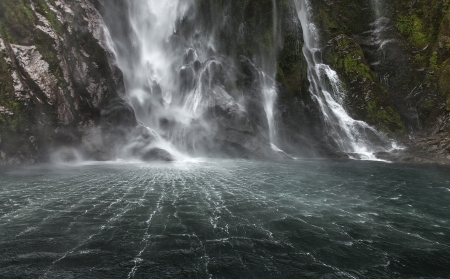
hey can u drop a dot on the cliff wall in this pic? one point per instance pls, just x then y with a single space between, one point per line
60 86
394 59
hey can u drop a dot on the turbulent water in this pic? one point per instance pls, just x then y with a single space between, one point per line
225 219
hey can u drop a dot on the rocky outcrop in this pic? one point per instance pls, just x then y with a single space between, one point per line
221 125
266 36
60 85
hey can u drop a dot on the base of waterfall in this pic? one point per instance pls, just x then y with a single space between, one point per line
421 150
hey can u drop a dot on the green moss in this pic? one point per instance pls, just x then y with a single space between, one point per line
6 82
444 79
414 28
280 75
13 128
268 39
366 98
346 17
386 116
348 56
17 20
447 107
8 100
46 45
427 109
17 25
434 61
44 9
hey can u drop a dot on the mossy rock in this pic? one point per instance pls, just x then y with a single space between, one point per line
444 83
16 125
366 98
348 17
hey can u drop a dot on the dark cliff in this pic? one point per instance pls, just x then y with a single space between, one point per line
60 85
394 59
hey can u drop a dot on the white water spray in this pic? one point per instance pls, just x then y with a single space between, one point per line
270 94
268 83
150 78
176 77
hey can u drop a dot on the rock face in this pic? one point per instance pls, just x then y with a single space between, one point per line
366 97
60 86
393 58
250 33
226 129
59 82
221 92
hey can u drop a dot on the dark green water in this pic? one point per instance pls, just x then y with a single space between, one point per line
225 219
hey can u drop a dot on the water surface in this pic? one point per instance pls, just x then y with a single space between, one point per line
225 219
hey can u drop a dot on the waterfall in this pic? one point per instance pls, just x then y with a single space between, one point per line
376 6
177 75
353 137
268 83
150 76
270 94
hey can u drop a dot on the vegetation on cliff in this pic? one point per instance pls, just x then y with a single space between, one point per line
394 59
58 81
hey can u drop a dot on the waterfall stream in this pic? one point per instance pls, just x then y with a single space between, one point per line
175 73
177 76
150 73
353 137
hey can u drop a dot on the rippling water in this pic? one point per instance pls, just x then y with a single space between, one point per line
225 219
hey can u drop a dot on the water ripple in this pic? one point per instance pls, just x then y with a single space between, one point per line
229 218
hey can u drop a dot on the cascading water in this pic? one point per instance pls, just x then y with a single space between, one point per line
376 6
148 59
176 77
270 94
386 57
150 76
268 85
353 137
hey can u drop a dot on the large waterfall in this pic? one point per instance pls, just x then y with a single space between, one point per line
353 137
201 99
150 63
176 76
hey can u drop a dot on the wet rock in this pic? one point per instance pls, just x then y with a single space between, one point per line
226 129
366 99
142 143
157 154
119 113
59 82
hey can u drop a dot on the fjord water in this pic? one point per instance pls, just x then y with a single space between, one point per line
225 219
